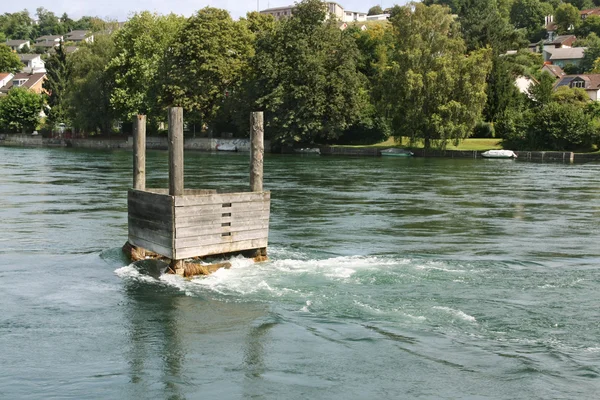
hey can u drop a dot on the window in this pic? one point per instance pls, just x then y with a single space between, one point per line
19 82
578 84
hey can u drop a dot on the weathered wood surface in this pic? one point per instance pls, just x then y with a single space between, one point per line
176 151
199 225
150 221
221 198
139 152
257 151
223 248
186 192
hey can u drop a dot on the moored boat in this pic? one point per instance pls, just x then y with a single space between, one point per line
499 154
395 152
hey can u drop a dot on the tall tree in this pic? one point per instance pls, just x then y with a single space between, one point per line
56 83
20 110
9 61
432 90
375 10
307 78
530 15
88 94
566 17
140 48
205 62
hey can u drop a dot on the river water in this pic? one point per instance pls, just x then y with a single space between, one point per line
388 278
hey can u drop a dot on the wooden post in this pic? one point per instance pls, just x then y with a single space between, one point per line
176 151
257 151
139 153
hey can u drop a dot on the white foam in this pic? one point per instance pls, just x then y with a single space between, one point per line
457 313
131 273
305 308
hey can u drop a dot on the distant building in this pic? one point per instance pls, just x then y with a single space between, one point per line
553 70
32 63
16 45
332 9
588 82
79 36
32 82
564 56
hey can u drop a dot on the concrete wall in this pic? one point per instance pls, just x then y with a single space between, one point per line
152 142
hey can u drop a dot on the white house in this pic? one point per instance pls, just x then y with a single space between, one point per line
17 45
588 82
333 8
5 77
33 63
378 17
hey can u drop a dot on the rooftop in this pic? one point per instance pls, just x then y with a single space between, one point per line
591 81
573 53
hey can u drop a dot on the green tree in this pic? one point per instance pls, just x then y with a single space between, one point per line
9 61
432 90
375 10
589 25
530 15
566 17
306 77
48 23
503 94
482 25
206 62
20 110
591 53
56 83
140 48
541 92
89 90
17 25
581 4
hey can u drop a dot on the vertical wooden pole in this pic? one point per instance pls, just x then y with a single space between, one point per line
176 151
139 153
257 151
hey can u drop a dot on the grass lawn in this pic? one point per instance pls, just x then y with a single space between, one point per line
467 144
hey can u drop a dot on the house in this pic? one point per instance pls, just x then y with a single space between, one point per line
560 42
16 45
564 56
33 63
353 16
589 82
554 71
332 9
378 17
79 36
586 13
48 41
5 77
30 81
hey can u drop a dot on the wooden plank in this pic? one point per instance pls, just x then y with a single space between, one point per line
176 151
257 151
214 218
148 195
205 240
139 152
145 244
149 205
221 248
236 208
221 198
155 224
159 237
218 228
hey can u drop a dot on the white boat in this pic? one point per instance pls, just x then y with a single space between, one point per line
226 147
395 152
499 154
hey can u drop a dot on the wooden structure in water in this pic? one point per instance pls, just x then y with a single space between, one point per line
179 223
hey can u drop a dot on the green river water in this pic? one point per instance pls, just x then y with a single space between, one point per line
388 279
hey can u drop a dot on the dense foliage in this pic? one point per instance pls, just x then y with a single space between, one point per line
438 71
20 110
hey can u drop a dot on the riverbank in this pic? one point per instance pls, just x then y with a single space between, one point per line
152 142
540 156
211 144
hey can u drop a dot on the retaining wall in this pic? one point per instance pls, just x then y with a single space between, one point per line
152 142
